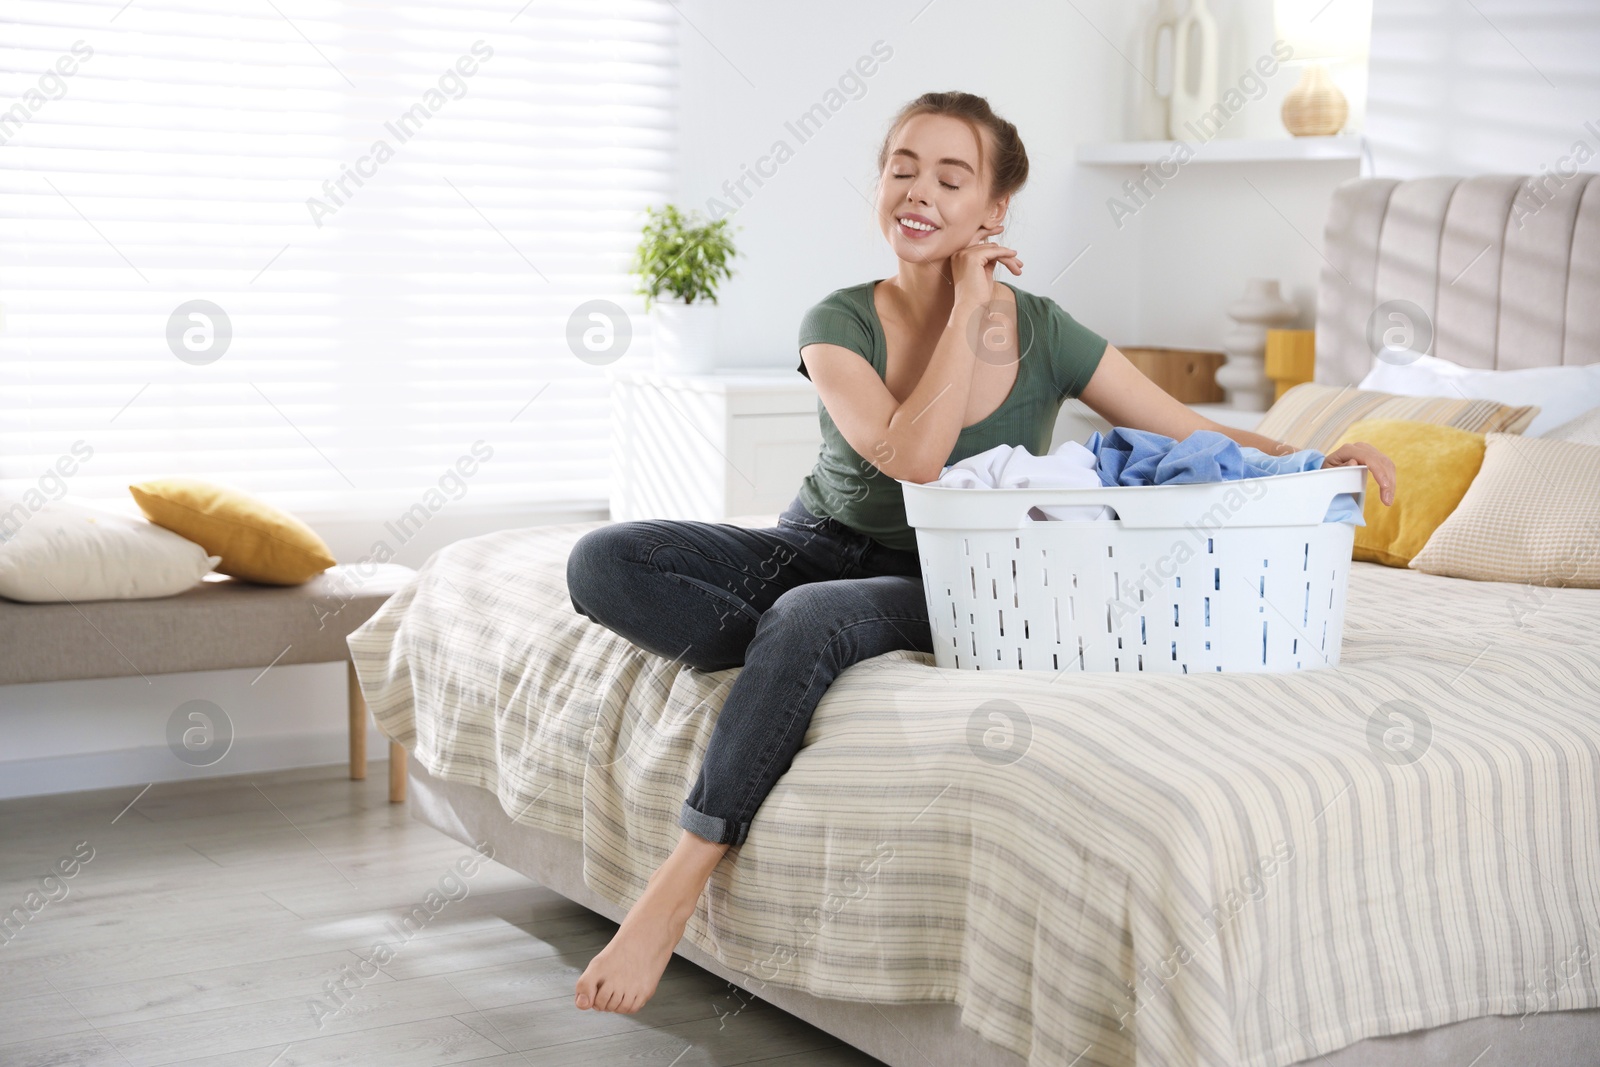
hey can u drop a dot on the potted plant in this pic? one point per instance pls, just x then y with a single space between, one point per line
680 262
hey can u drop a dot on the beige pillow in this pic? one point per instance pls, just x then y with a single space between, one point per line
1585 429
1316 416
1531 515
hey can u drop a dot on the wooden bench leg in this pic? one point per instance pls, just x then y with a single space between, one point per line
358 743
358 726
397 773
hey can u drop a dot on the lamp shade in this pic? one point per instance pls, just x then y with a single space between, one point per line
1324 29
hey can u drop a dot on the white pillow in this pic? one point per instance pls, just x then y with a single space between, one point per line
1583 430
65 550
1561 393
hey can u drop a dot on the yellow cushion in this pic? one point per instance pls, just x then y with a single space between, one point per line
257 542
1433 467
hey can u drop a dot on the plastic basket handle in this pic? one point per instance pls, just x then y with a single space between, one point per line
1297 499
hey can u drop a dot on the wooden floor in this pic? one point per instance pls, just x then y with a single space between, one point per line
212 917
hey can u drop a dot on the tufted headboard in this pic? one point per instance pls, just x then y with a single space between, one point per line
1500 286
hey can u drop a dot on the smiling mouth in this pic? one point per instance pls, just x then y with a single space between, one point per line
914 230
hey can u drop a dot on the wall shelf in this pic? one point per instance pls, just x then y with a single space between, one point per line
1223 150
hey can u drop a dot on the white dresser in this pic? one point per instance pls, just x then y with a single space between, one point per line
709 446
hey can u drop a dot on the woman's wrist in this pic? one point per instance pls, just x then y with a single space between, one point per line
1260 442
965 309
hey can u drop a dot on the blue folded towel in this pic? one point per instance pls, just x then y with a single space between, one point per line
1138 457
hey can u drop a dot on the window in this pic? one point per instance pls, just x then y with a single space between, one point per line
321 250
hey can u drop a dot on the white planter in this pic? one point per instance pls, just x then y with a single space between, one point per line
685 336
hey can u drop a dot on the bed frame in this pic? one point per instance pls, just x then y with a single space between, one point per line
1504 284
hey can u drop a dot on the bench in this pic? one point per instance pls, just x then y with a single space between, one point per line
219 624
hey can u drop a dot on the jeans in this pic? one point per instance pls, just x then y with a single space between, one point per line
793 605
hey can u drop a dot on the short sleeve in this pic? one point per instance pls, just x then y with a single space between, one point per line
1075 351
833 321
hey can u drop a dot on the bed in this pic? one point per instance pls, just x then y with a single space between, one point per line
1152 870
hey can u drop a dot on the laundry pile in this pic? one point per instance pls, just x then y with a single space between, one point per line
1070 466
1127 456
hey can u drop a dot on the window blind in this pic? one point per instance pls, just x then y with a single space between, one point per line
327 252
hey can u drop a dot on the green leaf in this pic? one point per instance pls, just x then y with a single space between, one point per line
679 257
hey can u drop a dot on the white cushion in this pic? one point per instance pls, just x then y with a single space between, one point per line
1583 430
65 550
1561 393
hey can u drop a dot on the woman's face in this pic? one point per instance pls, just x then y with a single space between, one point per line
932 175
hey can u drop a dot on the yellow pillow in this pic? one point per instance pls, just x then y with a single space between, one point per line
1433 467
257 542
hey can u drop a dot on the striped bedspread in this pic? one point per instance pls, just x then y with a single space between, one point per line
1127 869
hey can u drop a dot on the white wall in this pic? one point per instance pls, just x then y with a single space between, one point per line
809 229
1216 225
1064 74
1491 87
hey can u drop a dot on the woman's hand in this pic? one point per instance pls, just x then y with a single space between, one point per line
1359 453
972 268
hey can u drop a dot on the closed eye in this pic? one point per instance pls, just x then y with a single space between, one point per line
947 185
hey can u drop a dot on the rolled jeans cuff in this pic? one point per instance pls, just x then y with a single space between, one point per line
713 829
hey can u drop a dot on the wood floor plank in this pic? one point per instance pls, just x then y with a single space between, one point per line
697 1043
542 978
46 1015
569 935
395 891
546 1023
82 1049
73 921
24 864
840 1055
283 1021
216 913
236 986
424 1043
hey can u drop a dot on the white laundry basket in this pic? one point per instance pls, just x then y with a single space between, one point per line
1238 575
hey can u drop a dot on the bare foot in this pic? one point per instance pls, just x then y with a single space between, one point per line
624 974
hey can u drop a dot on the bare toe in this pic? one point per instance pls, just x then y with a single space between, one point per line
610 997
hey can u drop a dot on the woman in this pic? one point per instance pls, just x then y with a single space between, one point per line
914 373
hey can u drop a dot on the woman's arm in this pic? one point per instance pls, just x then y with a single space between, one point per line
903 439
1120 393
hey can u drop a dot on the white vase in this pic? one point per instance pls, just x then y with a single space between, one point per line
1154 95
1243 375
1194 75
685 336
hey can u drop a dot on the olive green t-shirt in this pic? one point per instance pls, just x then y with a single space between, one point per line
1058 356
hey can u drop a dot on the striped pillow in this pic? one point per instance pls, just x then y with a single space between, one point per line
1530 515
1316 416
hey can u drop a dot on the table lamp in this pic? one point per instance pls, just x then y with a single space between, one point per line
1318 31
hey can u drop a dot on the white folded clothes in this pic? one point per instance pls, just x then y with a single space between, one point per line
1070 466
